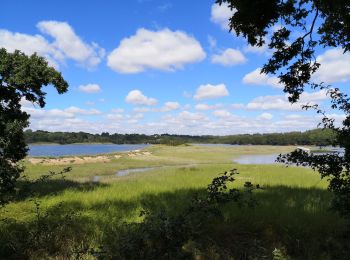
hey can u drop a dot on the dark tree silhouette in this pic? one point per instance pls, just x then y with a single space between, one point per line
324 24
21 77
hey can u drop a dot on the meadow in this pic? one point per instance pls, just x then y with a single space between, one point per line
81 216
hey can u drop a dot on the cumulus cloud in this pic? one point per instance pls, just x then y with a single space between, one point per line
70 44
89 88
261 79
209 91
265 116
137 98
184 122
190 117
334 67
29 44
229 57
66 44
222 113
37 113
114 116
162 50
220 14
280 102
169 106
80 111
203 107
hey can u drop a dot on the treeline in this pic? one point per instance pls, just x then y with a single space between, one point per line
318 137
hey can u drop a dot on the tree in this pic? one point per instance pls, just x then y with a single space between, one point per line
21 77
319 24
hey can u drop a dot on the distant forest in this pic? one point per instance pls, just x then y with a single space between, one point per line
319 137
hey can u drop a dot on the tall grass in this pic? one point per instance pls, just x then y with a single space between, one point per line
292 212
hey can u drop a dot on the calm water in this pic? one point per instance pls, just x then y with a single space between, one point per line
271 158
55 150
256 159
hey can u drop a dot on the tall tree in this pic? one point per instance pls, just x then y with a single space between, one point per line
319 23
21 77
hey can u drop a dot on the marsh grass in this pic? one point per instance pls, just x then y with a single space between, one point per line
292 213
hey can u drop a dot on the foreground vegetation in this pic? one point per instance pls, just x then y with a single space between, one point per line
77 217
319 137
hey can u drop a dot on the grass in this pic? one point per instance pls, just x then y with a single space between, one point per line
292 213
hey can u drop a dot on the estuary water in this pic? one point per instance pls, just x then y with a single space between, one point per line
256 159
56 150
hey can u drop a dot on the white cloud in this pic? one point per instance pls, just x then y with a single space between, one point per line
137 98
204 107
220 14
307 97
280 102
134 118
80 111
66 44
50 113
70 44
25 103
191 117
229 57
334 67
277 102
293 116
256 49
184 122
257 78
209 91
29 44
143 109
222 113
114 116
162 50
265 116
169 106
89 88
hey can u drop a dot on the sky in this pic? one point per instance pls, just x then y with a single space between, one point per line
157 66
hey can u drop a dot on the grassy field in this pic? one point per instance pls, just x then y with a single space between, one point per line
292 213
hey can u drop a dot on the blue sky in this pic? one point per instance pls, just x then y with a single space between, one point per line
148 66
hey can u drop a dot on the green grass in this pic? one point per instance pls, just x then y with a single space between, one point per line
292 212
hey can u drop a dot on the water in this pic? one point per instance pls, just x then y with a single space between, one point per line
145 169
257 159
271 158
55 150
127 171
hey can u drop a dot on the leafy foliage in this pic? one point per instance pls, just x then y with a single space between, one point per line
21 77
320 137
318 23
